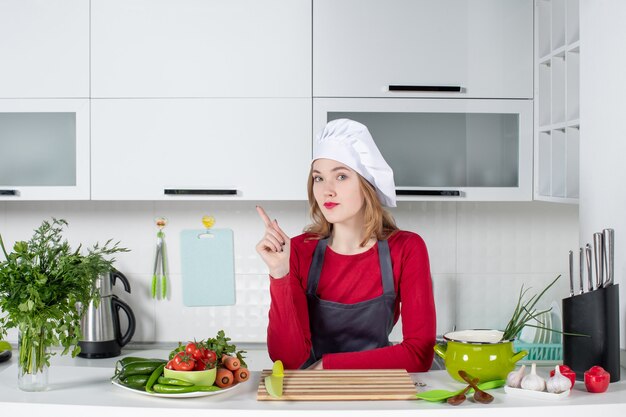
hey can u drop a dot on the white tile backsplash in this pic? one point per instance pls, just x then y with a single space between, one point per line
487 301
480 254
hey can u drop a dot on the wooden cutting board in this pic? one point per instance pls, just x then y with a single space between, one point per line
342 385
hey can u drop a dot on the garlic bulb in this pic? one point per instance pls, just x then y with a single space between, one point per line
514 378
559 382
533 381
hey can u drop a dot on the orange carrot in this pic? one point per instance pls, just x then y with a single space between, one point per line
231 362
224 378
241 375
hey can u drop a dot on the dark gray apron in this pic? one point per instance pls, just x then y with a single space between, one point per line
338 327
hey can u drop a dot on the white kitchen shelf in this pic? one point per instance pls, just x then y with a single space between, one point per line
558 89
557 100
572 92
558 23
545 113
572 34
572 151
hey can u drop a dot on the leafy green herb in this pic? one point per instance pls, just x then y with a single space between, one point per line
220 346
41 283
524 312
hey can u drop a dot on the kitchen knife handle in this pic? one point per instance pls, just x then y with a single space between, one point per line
440 193
589 267
177 191
14 193
609 253
598 248
427 88
581 270
571 273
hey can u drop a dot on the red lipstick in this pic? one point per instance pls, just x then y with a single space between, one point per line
330 205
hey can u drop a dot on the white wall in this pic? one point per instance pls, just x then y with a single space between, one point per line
480 255
603 140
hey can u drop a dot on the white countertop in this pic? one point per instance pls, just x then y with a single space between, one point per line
80 387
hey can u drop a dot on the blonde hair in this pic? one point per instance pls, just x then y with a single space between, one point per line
379 223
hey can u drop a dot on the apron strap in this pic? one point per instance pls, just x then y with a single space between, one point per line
315 270
386 269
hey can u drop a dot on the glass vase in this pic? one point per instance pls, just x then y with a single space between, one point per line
32 365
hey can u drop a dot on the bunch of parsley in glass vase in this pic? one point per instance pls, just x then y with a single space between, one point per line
43 283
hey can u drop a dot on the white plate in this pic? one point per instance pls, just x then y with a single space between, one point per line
547 334
556 322
538 331
540 395
543 321
185 395
528 333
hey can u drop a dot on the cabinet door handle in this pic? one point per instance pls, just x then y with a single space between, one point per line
440 193
9 192
427 88
177 191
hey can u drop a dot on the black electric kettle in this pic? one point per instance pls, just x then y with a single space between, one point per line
102 336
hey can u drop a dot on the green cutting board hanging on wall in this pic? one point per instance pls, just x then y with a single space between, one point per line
208 267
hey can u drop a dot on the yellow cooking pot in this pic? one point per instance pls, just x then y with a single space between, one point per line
481 353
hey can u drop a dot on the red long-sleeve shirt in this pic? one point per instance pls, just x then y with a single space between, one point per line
350 279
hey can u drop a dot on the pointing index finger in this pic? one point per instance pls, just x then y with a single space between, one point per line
263 216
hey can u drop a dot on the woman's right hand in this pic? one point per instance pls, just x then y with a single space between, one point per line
274 247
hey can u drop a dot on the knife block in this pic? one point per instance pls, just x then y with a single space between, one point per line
595 314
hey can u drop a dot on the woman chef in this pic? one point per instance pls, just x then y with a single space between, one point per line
338 289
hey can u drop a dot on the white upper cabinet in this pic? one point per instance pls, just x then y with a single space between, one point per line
182 149
201 48
44 48
423 48
446 149
44 149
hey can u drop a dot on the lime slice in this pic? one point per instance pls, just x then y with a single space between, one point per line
274 382
4 345
278 369
274 386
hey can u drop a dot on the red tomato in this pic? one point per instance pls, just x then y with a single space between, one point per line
597 379
200 354
566 371
210 356
200 366
170 365
183 362
192 350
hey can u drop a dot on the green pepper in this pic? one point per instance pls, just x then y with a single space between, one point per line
119 365
176 389
153 378
135 381
130 359
139 368
172 381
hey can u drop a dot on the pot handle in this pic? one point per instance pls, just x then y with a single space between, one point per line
440 350
117 305
519 355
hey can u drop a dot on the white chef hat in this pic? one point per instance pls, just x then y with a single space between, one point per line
350 143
